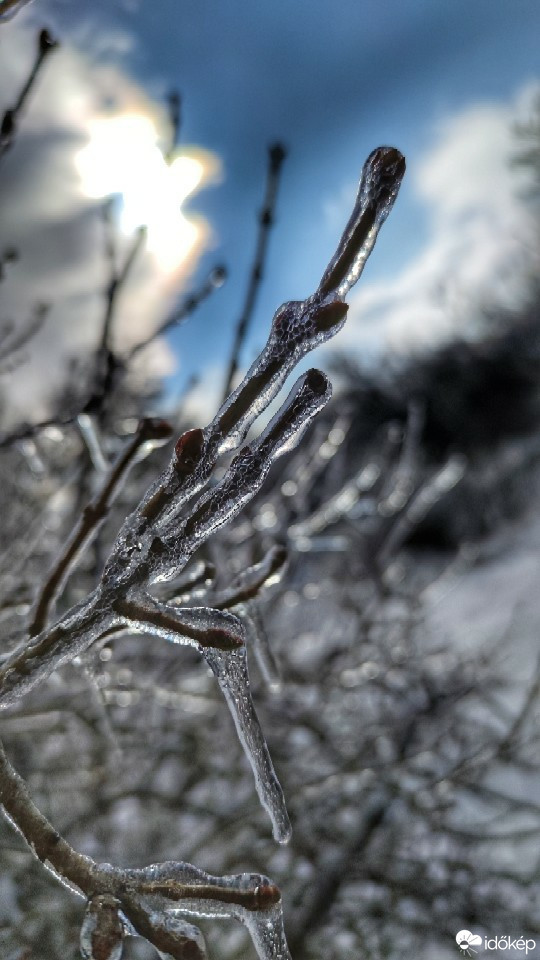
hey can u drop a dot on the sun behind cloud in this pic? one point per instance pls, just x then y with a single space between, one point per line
91 131
123 158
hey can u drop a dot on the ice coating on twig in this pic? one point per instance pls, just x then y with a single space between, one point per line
231 672
196 626
245 475
297 327
180 888
35 660
381 178
186 937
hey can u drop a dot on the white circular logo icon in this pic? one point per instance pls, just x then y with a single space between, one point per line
466 941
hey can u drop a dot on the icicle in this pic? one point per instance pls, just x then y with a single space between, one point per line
268 934
102 931
219 637
231 672
257 640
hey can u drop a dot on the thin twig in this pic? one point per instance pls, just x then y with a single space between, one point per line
106 362
174 102
91 519
276 156
12 341
8 127
215 279
29 430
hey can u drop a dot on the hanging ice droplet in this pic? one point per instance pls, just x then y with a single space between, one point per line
102 931
231 672
268 933
185 936
257 640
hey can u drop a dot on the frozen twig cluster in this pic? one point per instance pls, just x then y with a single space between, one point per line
178 514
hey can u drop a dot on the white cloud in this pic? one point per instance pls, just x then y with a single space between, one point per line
480 242
58 231
200 405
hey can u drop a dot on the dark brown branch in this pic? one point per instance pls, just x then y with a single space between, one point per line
8 128
276 156
156 617
174 102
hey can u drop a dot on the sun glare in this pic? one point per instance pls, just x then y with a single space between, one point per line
123 158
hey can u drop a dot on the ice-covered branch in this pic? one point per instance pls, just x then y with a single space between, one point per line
159 538
146 902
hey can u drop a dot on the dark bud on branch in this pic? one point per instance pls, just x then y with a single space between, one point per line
154 428
188 451
46 42
329 315
277 154
266 896
218 276
387 167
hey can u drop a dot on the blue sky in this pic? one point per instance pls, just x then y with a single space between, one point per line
330 80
